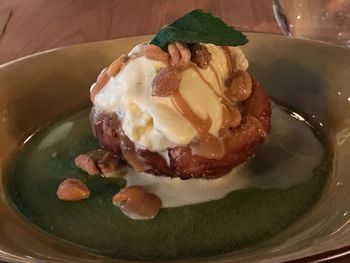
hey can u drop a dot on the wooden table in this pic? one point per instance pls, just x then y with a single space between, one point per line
29 26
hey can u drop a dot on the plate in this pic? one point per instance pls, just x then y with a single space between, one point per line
310 77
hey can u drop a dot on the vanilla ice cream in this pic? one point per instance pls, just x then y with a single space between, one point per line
153 122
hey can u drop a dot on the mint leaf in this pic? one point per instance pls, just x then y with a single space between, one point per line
198 26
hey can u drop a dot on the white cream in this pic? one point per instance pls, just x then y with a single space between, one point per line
154 123
240 58
292 150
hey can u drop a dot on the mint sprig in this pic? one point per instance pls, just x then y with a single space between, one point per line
196 27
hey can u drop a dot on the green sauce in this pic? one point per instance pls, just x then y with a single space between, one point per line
243 218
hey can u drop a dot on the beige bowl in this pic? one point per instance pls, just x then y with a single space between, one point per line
310 76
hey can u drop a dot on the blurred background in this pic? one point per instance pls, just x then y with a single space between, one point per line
29 26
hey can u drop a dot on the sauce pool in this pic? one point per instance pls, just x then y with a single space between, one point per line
283 182
291 150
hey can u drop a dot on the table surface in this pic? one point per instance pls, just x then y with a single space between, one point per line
30 26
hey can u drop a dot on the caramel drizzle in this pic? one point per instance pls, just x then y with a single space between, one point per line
201 126
231 62
207 145
215 73
224 98
193 66
128 150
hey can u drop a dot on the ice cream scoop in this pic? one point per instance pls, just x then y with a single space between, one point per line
155 123
192 111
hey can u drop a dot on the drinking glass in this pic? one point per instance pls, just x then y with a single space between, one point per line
325 20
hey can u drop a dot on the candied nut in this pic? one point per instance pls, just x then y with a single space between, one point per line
241 85
200 55
102 79
134 200
116 65
108 163
180 55
87 164
184 51
166 82
101 74
154 52
100 162
72 189
175 56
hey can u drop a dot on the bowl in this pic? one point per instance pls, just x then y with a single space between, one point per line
309 76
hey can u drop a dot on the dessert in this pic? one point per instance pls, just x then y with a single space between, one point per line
181 108
190 112
260 198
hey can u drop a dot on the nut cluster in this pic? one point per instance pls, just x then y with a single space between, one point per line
93 163
180 55
98 162
168 79
156 53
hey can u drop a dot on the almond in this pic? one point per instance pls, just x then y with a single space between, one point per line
72 189
166 82
100 162
116 65
108 163
185 55
154 52
87 164
200 55
174 53
241 85
135 200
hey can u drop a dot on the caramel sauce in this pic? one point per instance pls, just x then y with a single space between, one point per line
193 66
213 147
206 144
231 63
108 130
129 153
231 118
136 203
209 147
222 96
215 73
226 117
201 126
